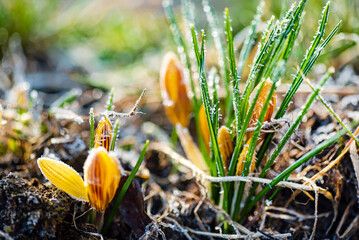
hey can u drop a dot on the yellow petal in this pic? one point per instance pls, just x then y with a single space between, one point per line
103 134
225 146
174 93
64 177
102 175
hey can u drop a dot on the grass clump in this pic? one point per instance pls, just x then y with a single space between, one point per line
243 148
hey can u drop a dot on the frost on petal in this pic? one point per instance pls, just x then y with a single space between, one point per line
102 175
103 134
64 177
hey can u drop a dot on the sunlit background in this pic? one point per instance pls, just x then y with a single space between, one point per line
120 43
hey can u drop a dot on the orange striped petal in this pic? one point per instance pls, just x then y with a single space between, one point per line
102 175
174 93
242 160
259 106
225 146
64 177
103 134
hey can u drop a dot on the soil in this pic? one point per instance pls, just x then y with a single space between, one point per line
167 201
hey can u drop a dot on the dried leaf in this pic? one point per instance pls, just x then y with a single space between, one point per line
132 209
355 160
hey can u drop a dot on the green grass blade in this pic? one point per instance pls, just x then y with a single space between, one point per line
258 64
188 9
295 124
287 135
199 54
233 70
66 99
251 149
248 43
213 79
286 173
181 49
110 100
185 58
291 24
273 46
240 137
92 129
320 48
305 66
115 135
206 98
294 87
331 110
222 60
124 189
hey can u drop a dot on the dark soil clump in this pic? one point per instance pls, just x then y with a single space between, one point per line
28 211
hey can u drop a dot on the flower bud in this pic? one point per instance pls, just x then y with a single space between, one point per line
259 106
203 125
174 92
242 160
225 146
103 134
102 175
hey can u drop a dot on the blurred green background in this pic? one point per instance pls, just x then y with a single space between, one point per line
121 43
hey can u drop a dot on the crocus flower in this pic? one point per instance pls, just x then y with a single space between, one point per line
174 93
178 106
102 173
103 134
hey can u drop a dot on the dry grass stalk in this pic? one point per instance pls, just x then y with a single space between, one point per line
190 148
202 176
